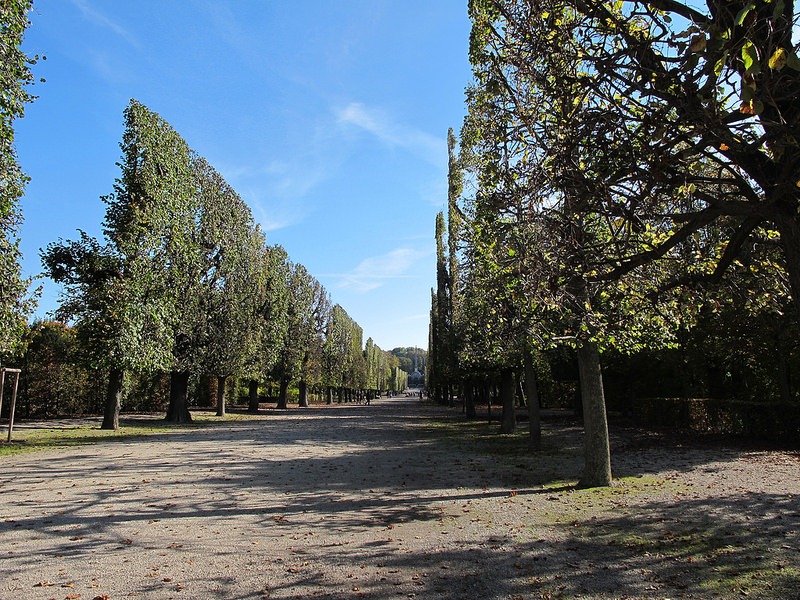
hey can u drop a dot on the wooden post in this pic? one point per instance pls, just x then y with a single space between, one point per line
2 387
13 396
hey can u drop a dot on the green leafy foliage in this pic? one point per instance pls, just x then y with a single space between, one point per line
15 77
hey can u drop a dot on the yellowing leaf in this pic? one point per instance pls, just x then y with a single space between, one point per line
724 147
778 60
744 12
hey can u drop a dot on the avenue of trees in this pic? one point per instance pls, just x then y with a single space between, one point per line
182 297
184 288
626 190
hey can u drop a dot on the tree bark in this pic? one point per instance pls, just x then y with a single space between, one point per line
178 410
252 406
789 228
283 394
329 395
532 394
221 395
597 472
113 400
519 391
469 400
509 421
302 389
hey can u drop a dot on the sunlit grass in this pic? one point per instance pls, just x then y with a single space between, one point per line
32 440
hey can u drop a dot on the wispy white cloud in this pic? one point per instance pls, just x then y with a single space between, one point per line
281 179
379 124
273 214
99 18
275 190
375 271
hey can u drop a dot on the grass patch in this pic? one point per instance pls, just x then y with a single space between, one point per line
479 437
33 440
689 551
507 458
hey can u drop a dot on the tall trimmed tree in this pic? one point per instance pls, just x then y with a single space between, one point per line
15 76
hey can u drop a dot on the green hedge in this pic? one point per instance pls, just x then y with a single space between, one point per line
761 420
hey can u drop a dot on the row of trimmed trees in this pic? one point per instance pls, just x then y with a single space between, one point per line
632 173
59 378
184 283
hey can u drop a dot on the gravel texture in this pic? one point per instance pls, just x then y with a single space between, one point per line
384 501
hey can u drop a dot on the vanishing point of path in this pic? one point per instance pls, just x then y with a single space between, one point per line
351 502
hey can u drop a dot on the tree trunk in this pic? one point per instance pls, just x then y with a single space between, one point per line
509 421
252 406
178 410
302 390
789 228
784 380
113 400
469 400
597 471
221 395
329 395
519 391
283 394
532 394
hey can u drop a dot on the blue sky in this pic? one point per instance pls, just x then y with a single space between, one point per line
329 117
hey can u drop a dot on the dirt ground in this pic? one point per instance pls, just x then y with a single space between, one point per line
397 499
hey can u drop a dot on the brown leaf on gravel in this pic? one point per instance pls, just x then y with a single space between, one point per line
43 584
103 597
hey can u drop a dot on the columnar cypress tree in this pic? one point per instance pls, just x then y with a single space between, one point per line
440 385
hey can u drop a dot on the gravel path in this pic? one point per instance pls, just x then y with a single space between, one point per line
375 502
